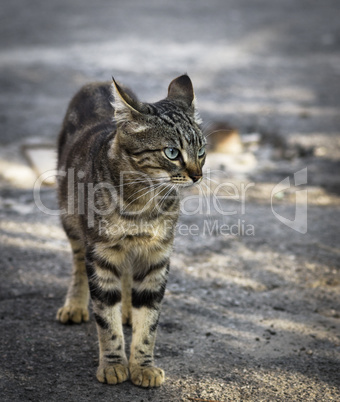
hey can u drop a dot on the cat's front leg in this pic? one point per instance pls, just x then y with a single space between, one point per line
147 293
105 291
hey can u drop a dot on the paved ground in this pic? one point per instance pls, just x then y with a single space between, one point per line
251 312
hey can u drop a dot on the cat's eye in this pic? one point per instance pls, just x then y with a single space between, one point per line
201 152
171 153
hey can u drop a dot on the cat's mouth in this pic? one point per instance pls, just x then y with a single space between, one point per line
181 184
185 183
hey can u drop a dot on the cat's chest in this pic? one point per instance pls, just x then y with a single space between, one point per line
136 232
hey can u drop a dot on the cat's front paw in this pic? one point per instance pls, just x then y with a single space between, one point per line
72 314
112 374
146 376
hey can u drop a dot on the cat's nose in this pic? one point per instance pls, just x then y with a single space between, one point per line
195 178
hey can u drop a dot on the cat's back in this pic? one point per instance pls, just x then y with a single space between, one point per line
89 112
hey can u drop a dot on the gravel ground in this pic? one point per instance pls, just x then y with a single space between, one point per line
252 308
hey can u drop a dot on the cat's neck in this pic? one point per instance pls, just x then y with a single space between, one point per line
141 195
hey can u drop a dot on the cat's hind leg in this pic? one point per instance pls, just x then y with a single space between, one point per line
75 309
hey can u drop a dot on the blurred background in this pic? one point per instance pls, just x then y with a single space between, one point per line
269 68
256 316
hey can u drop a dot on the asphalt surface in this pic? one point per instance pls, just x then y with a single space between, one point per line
247 316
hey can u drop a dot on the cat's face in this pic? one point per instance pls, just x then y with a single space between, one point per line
162 140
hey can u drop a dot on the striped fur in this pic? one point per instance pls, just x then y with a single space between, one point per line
118 190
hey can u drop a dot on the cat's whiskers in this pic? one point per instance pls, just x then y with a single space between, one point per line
205 197
141 189
213 132
146 190
159 205
153 188
156 195
140 181
223 190
207 194
205 126
146 187
214 196
128 183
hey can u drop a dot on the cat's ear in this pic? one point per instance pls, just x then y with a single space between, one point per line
181 91
127 108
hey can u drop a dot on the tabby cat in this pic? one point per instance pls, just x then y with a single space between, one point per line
121 163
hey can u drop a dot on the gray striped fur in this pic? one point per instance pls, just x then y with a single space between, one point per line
118 191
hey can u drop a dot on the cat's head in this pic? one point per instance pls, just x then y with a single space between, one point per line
162 140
